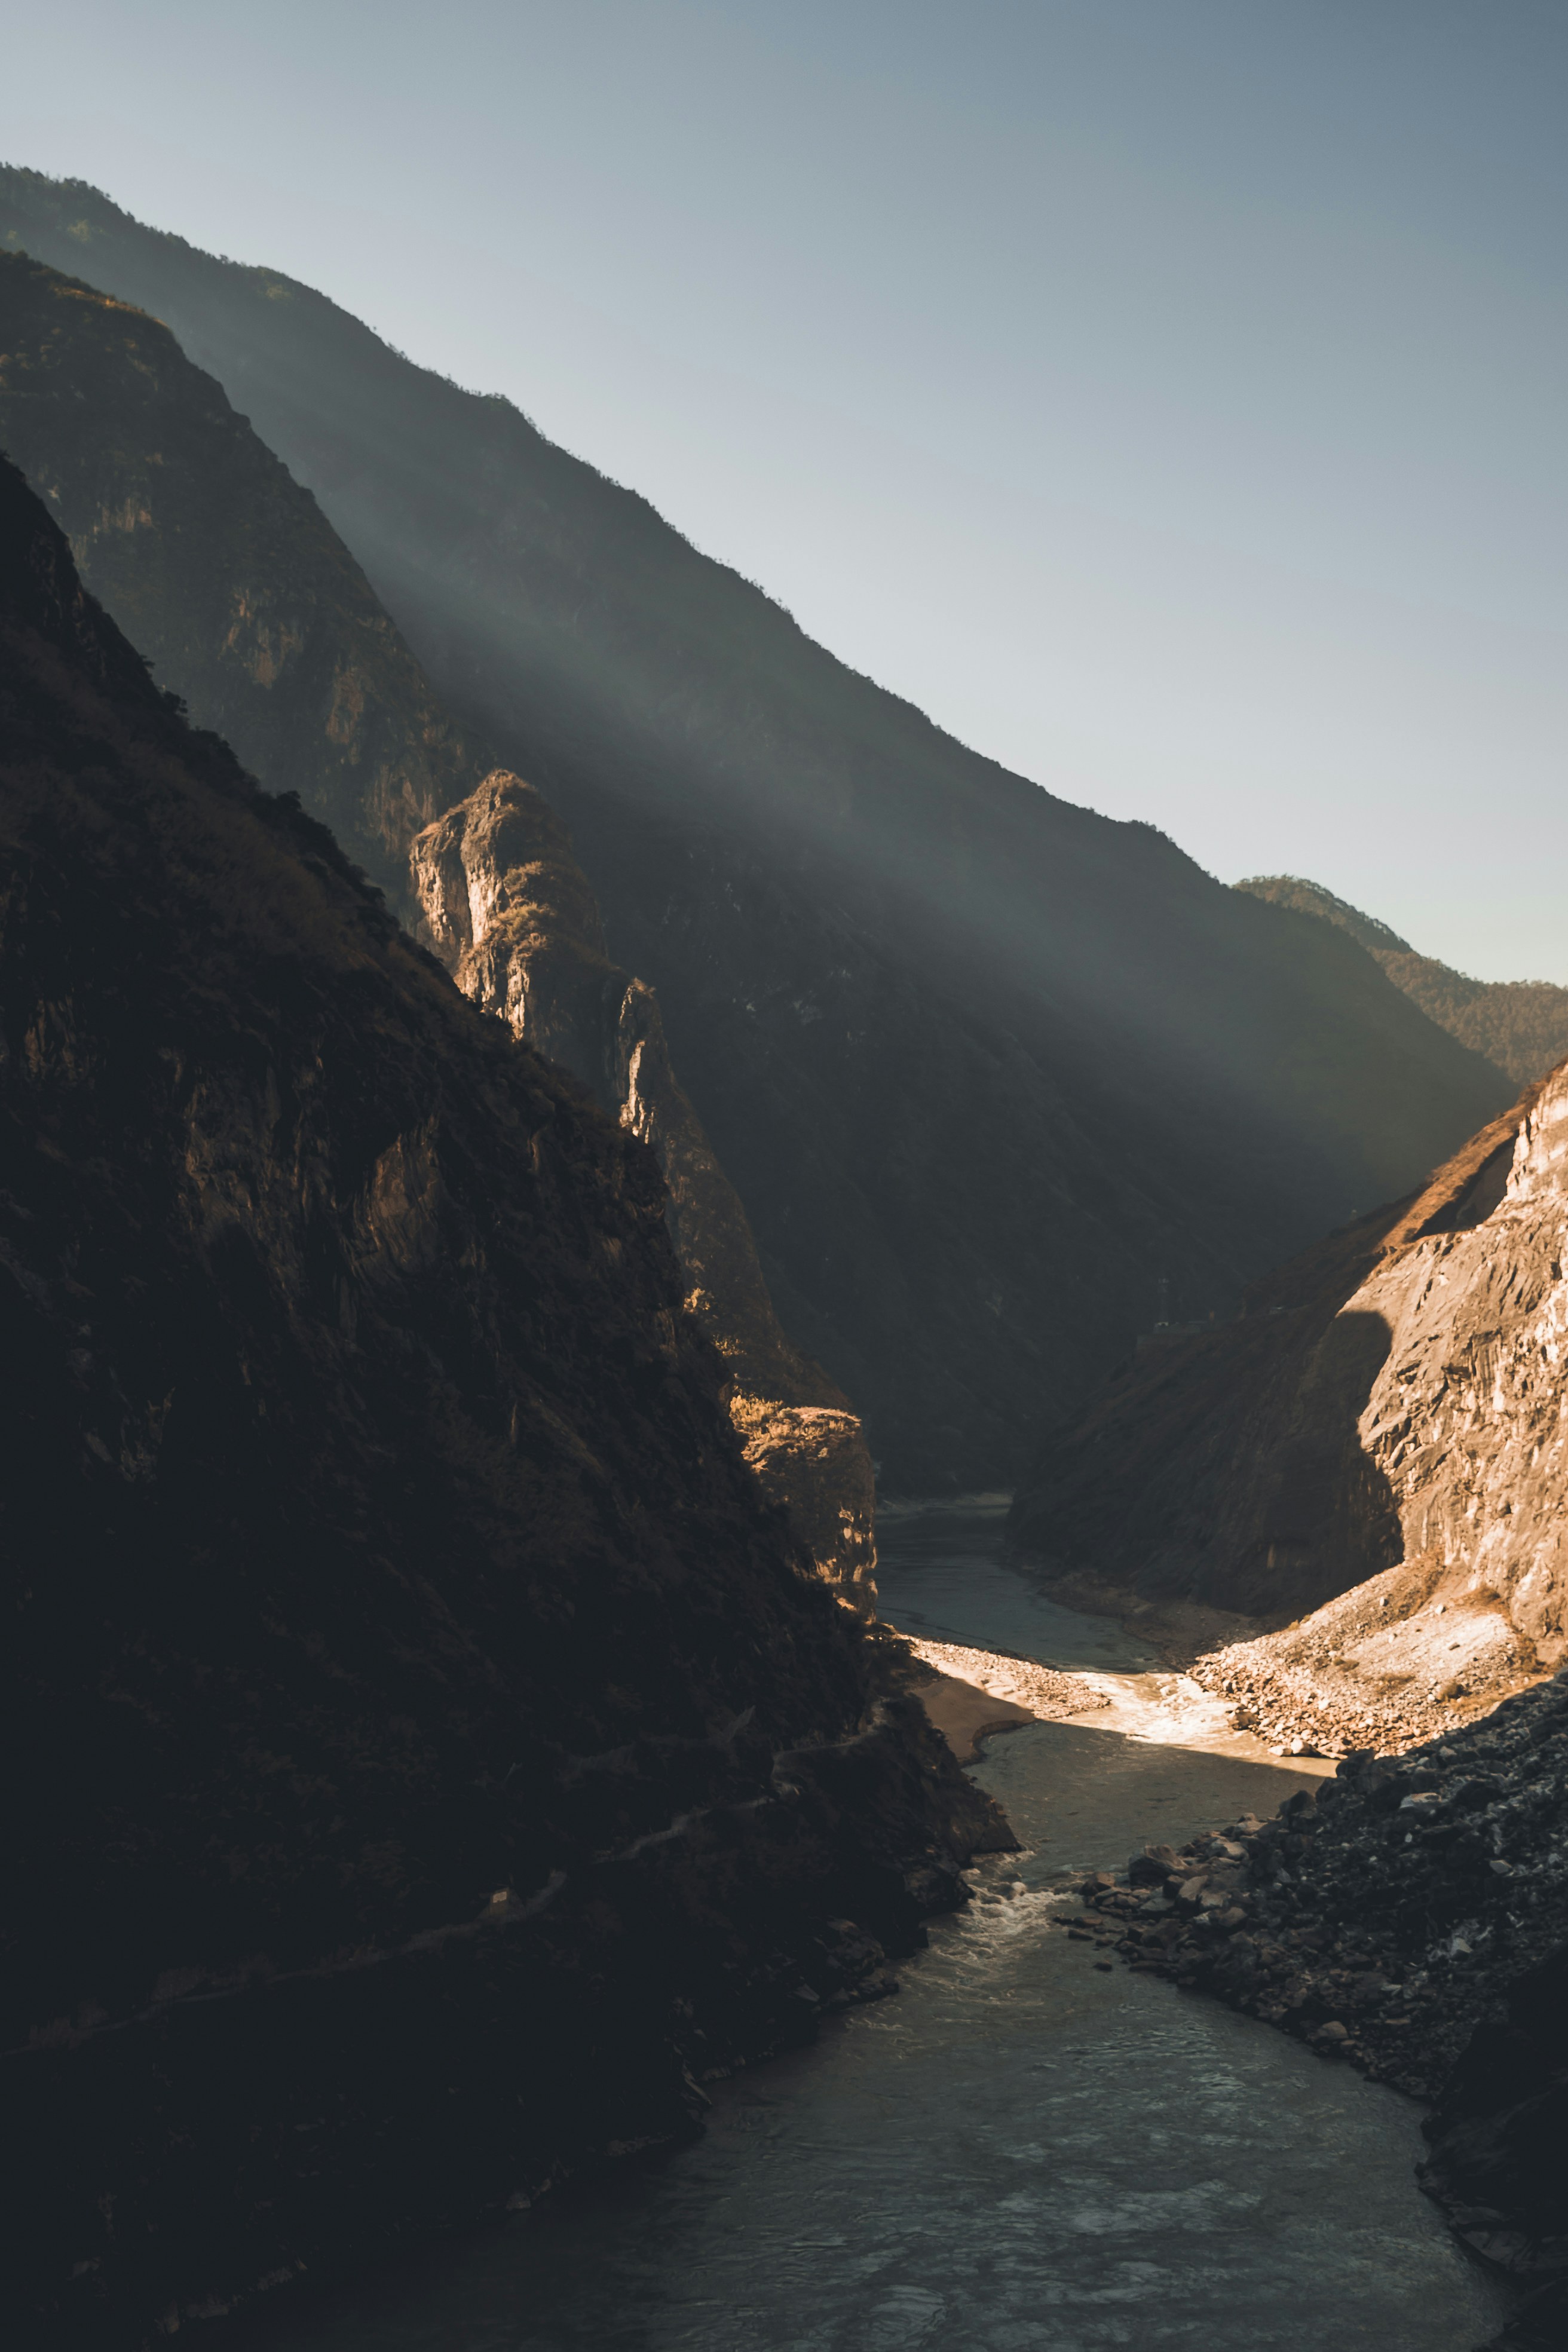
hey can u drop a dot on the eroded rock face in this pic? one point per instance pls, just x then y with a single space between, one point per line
508 907
231 578
429 1758
1391 1401
813 1462
1467 1418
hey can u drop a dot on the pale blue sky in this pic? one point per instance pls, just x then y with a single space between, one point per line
1168 395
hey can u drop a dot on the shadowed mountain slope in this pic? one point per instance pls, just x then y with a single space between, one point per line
428 1749
1521 1025
187 528
223 571
982 1065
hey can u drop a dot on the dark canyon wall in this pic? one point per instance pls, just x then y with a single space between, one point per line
983 1066
429 1754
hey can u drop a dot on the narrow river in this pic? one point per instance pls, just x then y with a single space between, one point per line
1020 2153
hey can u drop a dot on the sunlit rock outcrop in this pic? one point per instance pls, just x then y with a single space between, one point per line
506 907
1467 1418
1394 1403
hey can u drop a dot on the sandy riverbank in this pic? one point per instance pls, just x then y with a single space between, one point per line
969 1694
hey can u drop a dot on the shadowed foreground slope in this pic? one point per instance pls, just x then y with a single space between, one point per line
982 1065
427 1750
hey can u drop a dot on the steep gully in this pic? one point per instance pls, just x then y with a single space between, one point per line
1028 2147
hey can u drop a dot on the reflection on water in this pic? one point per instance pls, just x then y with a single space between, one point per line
1018 2154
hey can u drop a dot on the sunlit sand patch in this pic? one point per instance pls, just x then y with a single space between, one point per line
1041 1691
982 1692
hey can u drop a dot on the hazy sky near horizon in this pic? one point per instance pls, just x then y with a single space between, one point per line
1167 395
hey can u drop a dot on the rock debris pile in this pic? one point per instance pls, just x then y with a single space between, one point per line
1406 1658
1411 1915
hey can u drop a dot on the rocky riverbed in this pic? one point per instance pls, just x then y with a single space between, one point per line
1409 1657
1410 1916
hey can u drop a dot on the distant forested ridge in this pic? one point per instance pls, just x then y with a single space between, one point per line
985 1067
1522 1025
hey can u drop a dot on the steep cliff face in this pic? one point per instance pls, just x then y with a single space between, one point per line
428 1756
982 1066
223 571
506 907
1521 1025
194 534
1392 1407
1467 1419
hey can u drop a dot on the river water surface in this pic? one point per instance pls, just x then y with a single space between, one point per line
1020 2153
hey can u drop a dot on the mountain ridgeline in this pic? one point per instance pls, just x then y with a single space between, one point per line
431 1755
222 569
1521 1025
982 1066
190 528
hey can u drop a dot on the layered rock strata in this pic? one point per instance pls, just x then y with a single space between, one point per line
507 908
983 1066
1393 1404
1411 1917
429 1759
